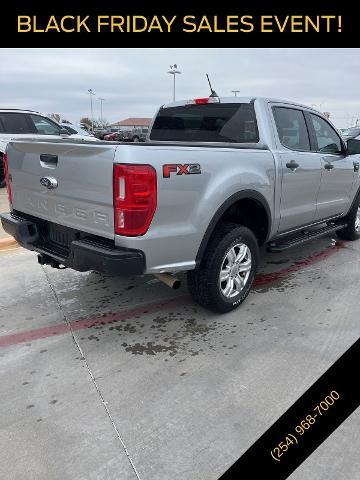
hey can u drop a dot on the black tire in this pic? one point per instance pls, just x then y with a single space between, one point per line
352 230
136 139
204 282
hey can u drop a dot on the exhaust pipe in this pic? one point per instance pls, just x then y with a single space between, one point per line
169 280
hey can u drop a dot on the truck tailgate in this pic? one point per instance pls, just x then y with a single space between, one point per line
81 177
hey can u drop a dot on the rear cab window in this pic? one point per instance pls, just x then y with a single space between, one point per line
215 122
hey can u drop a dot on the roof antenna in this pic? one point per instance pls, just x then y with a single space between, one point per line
213 93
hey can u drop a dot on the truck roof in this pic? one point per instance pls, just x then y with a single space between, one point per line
241 100
23 110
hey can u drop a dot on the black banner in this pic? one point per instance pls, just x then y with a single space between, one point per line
182 24
307 423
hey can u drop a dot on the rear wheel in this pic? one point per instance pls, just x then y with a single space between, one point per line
352 230
224 277
136 139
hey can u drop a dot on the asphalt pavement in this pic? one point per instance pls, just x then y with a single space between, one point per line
121 379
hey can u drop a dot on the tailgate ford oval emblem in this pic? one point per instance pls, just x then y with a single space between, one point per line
49 182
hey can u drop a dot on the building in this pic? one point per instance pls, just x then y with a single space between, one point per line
130 123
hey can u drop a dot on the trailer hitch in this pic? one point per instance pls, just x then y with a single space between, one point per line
46 260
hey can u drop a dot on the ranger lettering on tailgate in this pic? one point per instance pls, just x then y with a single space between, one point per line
60 209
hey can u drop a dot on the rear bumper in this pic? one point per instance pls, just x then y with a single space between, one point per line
87 253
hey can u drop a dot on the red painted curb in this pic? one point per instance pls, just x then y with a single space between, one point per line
306 262
59 329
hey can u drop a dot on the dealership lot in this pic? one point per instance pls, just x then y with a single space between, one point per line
109 378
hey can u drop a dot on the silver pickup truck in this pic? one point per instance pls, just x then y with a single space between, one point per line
216 179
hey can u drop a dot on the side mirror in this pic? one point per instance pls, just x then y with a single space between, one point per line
353 146
63 131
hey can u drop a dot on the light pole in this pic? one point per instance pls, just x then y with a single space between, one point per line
235 92
174 71
91 93
101 100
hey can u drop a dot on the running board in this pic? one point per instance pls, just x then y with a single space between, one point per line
305 236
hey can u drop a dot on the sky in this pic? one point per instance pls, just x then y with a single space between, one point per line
135 82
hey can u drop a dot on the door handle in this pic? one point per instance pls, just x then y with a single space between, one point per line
292 165
356 166
328 166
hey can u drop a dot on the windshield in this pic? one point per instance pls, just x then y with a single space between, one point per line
220 122
72 131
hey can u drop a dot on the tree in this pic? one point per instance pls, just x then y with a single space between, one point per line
55 116
105 123
101 122
86 123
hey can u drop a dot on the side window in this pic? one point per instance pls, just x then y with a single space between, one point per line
15 123
328 141
291 127
44 126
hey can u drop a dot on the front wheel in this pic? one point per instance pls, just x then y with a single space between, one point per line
224 277
352 230
136 139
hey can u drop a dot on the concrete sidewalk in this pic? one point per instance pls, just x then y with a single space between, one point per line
121 379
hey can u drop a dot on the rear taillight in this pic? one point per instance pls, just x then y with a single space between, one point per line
7 177
201 101
135 196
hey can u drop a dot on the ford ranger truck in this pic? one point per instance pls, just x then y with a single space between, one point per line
216 179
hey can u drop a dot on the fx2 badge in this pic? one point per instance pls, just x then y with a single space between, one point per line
178 169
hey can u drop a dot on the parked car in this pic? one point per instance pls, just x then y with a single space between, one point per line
101 132
16 123
110 136
77 132
217 179
352 132
135 135
114 137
